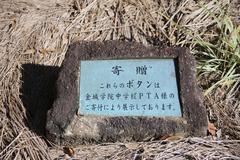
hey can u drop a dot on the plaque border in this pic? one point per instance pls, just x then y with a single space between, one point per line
177 85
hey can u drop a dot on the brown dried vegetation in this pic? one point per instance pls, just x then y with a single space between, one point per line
39 32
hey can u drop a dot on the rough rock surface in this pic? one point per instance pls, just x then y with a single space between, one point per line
65 126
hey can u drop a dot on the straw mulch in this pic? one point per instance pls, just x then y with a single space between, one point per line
190 148
39 32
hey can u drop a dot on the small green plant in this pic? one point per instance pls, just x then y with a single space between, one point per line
214 39
221 55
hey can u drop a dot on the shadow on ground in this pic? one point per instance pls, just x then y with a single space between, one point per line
38 93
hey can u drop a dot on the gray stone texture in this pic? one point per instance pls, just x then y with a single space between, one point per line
64 125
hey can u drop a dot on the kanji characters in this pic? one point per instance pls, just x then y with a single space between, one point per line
116 70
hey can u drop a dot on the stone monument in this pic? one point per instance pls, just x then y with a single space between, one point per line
120 91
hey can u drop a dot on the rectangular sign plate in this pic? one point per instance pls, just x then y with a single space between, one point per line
132 87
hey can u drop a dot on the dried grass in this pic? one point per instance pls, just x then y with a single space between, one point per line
190 148
39 32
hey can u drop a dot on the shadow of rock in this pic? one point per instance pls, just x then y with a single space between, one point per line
38 93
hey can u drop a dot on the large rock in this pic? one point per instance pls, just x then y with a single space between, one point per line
66 126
